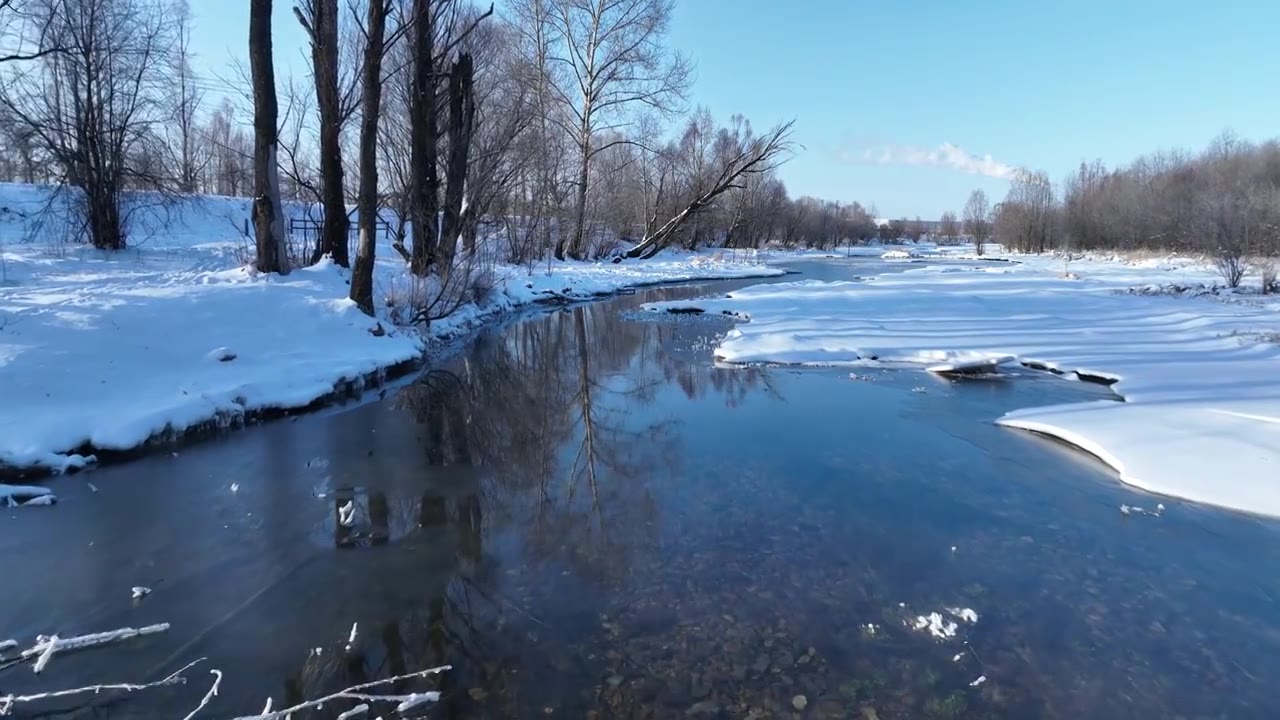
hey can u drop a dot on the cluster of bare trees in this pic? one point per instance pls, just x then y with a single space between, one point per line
823 224
549 126
83 99
1223 203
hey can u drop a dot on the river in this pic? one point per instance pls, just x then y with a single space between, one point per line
587 518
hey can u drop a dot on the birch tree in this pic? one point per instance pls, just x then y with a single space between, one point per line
615 60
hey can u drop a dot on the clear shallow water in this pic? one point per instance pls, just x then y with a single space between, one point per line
588 519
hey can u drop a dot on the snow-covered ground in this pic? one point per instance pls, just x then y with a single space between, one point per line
106 351
1198 372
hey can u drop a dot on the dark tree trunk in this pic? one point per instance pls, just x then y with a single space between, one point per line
267 215
425 183
367 202
462 115
324 57
102 215
579 239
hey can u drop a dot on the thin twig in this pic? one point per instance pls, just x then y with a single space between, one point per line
7 702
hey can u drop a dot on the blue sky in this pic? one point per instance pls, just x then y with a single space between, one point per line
876 88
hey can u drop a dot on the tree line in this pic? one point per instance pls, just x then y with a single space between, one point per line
557 128
1223 202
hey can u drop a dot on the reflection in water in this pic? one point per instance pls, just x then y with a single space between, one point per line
535 426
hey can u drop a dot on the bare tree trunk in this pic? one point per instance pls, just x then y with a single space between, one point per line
268 216
580 196
462 115
367 203
323 30
424 204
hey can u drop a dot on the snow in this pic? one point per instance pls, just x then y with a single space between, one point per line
981 364
106 351
936 625
41 500
1201 413
416 700
14 495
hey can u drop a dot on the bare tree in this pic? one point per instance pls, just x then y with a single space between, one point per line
615 60
461 126
1027 221
319 18
977 219
371 109
948 227
546 190
437 29
753 155
95 104
268 215
231 153
184 150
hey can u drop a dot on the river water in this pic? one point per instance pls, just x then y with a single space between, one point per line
587 518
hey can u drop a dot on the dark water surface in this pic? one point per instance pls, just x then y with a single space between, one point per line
588 519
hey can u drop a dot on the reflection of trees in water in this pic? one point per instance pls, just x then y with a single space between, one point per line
543 429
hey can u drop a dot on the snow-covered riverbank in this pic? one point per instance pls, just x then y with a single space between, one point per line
104 352
1197 371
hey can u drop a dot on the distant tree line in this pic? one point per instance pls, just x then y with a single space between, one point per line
1223 202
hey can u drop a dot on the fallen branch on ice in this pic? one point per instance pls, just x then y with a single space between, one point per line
46 646
9 702
357 692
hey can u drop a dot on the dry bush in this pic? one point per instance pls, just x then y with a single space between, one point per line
1232 265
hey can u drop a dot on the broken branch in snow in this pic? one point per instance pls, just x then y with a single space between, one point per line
351 639
16 495
47 655
213 692
356 692
47 646
7 702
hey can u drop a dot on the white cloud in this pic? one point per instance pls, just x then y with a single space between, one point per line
945 155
